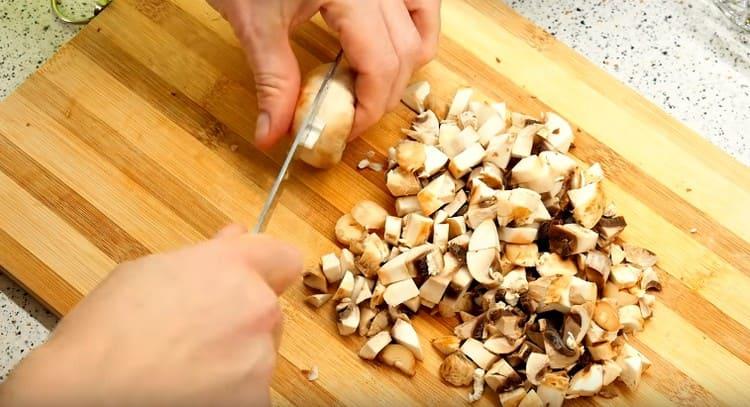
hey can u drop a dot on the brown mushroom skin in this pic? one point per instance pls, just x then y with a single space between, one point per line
336 111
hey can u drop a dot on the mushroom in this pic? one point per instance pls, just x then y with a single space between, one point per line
345 287
560 164
457 369
392 232
374 345
501 345
413 303
463 162
449 140
512 398
415 95
424 129
571 239
456 227
475 351
631 318
551 293
400 291
403 333
639 256
560 135
561 356
401 183
377 294
631 371
578 321
416 230
606 316
625 275
348 317
446 344
515 281
440 235
524 255
436 194
453 206
490 127
468 119
335 116
478 387
588 204
587 382
551 264
598 267
362 291
399 357
609 229
602 351
536 366
611 372
317 300
501 377
525 141
374 252
369 214
650 280
346 260
378 323
616 253
438 106
520 235
498 150
366 315
434 161
406 205
645 303
552 388
531 399
479 263
348 230
315 279
410 155
582 291
481 194
460 103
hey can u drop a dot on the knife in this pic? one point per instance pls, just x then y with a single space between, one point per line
302 133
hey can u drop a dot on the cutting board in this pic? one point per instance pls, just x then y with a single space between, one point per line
136 138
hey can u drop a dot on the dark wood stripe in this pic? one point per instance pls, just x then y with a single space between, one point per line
39 280
194 209
89 221
680 213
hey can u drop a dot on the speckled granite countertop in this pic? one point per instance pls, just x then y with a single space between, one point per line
681 54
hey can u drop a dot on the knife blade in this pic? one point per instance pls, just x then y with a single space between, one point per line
302 133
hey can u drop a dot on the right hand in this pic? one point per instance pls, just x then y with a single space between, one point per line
196 327
383 40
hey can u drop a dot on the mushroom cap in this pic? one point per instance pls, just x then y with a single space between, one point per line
457 369
369 214
348 230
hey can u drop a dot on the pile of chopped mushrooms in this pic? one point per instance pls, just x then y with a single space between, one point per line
495 225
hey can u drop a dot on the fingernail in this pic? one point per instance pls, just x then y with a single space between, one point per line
262 125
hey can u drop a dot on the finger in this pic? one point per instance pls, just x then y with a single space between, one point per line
366 43
426 17
233 230
406 42
265 38
279 263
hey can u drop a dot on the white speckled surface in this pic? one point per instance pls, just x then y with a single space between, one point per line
681 54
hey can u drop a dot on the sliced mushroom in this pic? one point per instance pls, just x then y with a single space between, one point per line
399 292
434 161
609 229
403 333
417 229
436 194
598 266
440 236
346 260
515 281
524 255
374 252
551 264
362 291
639 256
499 150
415 95
406 205
582 291
460 103
413 303
453 206
588 204
402 183
602 351
462 163
525 141
560 135
616 253
369 214
392 232
346 286
512 398
399 357
446 344
317 300
315 279
606 316
348 317
552 388
611 372
468 119
501 377
366 316
587 382
650 280
551 293
348 230
501 345
424 129
374 345
456 226
519 235
479 263
572 238
457 369
475 351
377 294
625 275
378 324
490 127
631 318
536 366
632 369
561 356
410 155
531 399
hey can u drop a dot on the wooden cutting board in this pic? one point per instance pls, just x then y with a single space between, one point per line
136 138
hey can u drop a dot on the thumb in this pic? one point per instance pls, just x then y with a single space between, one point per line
277 81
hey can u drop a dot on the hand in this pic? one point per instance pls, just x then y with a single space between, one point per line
195 327
383 40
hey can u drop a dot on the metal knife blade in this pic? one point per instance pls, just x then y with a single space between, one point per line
303 131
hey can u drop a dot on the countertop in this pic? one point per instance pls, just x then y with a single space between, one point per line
681 54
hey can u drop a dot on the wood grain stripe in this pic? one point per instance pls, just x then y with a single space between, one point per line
68 204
